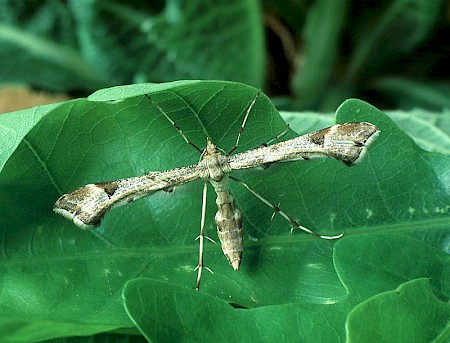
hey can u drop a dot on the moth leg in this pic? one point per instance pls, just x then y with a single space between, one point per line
201 238
175 125
278 136
281 134
282 213
252 103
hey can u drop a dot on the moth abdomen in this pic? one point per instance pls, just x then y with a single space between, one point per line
231 233
229 223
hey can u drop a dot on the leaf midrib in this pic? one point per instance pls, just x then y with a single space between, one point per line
426 224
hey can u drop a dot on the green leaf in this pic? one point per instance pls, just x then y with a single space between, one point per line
20 330
389 260
164 312
182 40
320 35
52 271
102 338
14 127
399 28
430 130
86 45
38 46
400 316
410 94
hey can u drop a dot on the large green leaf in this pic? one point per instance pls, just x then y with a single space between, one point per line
166 313
400 316
52 271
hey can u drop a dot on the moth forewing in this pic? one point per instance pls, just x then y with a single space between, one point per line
87 205
347 142
344 142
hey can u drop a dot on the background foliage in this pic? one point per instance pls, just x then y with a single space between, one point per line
313 54
131 279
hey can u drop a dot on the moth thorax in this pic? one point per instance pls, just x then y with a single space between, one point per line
218 166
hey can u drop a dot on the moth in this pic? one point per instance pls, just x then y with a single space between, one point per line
86 206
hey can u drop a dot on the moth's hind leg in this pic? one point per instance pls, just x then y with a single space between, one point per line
201 238
277 209
278 136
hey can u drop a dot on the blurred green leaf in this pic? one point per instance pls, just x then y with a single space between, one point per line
431 131
52 271
321 37
410 94
87 45
319 53
182 40
40 61
399 28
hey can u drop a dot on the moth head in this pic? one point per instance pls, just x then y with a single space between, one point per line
211 149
